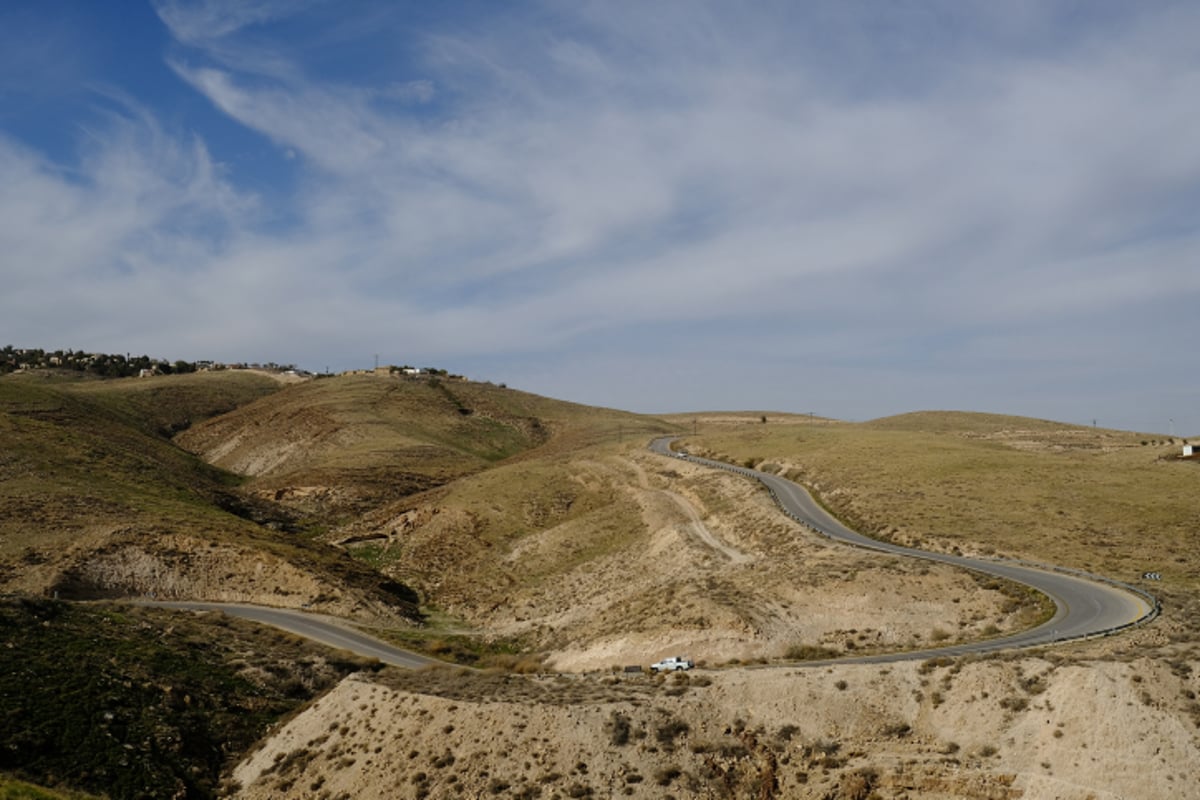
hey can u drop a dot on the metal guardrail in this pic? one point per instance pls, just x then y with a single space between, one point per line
1151 600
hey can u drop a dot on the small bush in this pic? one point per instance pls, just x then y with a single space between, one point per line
858 785
618 728
733 749
788 731
666 775
1014 703
826 746
1034 685
931 664
667 732
808 652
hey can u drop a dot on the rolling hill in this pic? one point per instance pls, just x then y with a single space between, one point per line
173 486
96 501
507 530
339 446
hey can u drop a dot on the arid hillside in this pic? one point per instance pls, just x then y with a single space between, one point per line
337 447
96 501
1115 503
995 729
616 556
613 556
543 542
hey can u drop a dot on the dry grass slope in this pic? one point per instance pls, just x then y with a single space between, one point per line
96 501
543 533
1110 502
338 447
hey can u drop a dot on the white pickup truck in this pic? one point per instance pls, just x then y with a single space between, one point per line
672 664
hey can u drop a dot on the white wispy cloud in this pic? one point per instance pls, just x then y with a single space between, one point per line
331 129
204 21
938 185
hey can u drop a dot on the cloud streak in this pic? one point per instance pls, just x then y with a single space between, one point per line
949 202
203 23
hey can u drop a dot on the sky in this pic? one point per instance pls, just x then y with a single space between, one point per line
848 208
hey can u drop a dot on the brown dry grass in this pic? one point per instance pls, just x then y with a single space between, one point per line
566 535
613 556
1110 502
89 481
340 446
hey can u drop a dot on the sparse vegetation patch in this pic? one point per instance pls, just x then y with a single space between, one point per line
139 703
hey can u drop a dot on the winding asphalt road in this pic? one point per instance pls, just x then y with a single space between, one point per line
1086 606
312 627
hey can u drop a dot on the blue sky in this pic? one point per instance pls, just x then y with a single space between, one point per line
851 208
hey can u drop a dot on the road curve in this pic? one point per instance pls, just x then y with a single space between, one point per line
310 626
1085 606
